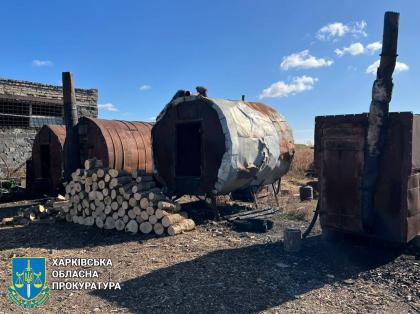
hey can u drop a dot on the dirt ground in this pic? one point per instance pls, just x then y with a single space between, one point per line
215 269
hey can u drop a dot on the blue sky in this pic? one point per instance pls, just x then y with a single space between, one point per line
305 58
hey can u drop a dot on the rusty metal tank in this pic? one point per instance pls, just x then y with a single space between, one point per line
213 146
47 160
122 145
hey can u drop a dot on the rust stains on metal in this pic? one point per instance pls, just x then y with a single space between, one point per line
339 158
47 152
205 145
119 144
287 146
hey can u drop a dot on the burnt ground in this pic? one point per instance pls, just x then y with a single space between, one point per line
215 269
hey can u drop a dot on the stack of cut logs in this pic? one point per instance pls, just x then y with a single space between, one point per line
113 199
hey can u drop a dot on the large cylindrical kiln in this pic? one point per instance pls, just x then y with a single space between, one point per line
47 161
122 145
215 146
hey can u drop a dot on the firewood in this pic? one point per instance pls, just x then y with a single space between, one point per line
99 196
139 219
126 188
158 228
121 212
114 206
132 227
166 206
160 213
153 219
116 173
99 222
144 215
131 214
100 172
150 210
119 225
171 219
89 221
146 227
107 178
115 215
137 196
92 163
124 205
144 203
107 200
109 223
108 210
132 202
101 184
119 181
136 210
181 226
155 197
125 219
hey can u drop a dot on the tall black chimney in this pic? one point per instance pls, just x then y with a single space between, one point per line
71 145
378 117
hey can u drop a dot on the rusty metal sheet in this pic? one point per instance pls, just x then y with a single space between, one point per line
119 144
53 137
339 142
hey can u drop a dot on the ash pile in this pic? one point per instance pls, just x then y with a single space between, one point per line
114 199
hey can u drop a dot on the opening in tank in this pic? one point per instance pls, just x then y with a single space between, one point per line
188 149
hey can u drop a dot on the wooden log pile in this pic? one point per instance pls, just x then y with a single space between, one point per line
112 199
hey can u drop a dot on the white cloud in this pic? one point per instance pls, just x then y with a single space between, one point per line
281 89
372 47
399 67
329 31
353 49
108 106
145 87
358 49
303 60
42 63
338 29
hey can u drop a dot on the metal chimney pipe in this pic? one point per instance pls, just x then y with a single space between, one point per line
71 145
378 117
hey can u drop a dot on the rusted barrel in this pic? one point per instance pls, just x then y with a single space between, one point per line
47 162
120 145
213 146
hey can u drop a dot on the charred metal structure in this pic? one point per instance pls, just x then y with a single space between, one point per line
213 146
122 145
340 159
47 161
369 164
24 108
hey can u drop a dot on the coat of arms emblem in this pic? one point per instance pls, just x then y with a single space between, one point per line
28 289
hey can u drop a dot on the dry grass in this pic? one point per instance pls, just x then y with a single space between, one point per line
302 161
